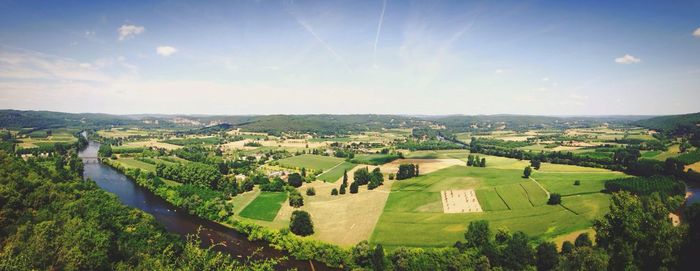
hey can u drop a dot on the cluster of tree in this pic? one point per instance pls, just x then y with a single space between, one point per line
665 185
296 200
435 144
475 161
73 225
557 157
363 177
199 174
407 171
276 185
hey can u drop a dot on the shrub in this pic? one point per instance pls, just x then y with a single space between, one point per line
310 191
577 182
334 192
296 200
391 176
554 199
301 224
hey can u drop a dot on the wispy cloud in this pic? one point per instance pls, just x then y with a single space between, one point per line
627 59
165 50
129 30
376 37
696 33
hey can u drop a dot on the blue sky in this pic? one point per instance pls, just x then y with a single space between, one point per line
397 57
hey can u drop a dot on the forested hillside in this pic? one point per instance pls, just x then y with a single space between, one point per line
675 124
52 220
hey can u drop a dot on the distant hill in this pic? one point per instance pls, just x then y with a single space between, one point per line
673 124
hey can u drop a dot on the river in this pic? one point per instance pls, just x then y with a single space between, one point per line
178 221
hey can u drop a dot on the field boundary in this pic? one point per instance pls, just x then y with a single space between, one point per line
527 194
330 169
562 205
540 185
504 201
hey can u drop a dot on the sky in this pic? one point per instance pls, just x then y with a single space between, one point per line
351 57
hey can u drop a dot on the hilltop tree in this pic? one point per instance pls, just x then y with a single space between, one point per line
301 224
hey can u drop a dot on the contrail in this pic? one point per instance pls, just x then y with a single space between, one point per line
311 31
379 30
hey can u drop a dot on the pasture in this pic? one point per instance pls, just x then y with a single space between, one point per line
413 214
265 206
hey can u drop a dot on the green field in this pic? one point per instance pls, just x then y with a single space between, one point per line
265 206
563 182
310 161
374 159
437 154
336 172
413 213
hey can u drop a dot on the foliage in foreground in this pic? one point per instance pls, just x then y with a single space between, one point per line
73 225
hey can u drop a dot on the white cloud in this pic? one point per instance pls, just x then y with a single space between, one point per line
165 50
696 33
627 59
545 79
128 30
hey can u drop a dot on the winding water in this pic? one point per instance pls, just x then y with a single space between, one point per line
177 220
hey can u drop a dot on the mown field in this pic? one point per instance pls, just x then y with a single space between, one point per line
413 213
310 161
335 173
265 206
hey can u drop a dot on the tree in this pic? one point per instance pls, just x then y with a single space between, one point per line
303 172
362 254
354 187
345 177
527 172
294 179
518 254
301 224
361 176
567 247
296 200
478 234
342 189
311 191
637 233
535 163
470 160
376 179
582 240
378 258
105 150
584 259
547 256
406 171
554 199
334 192
483 162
